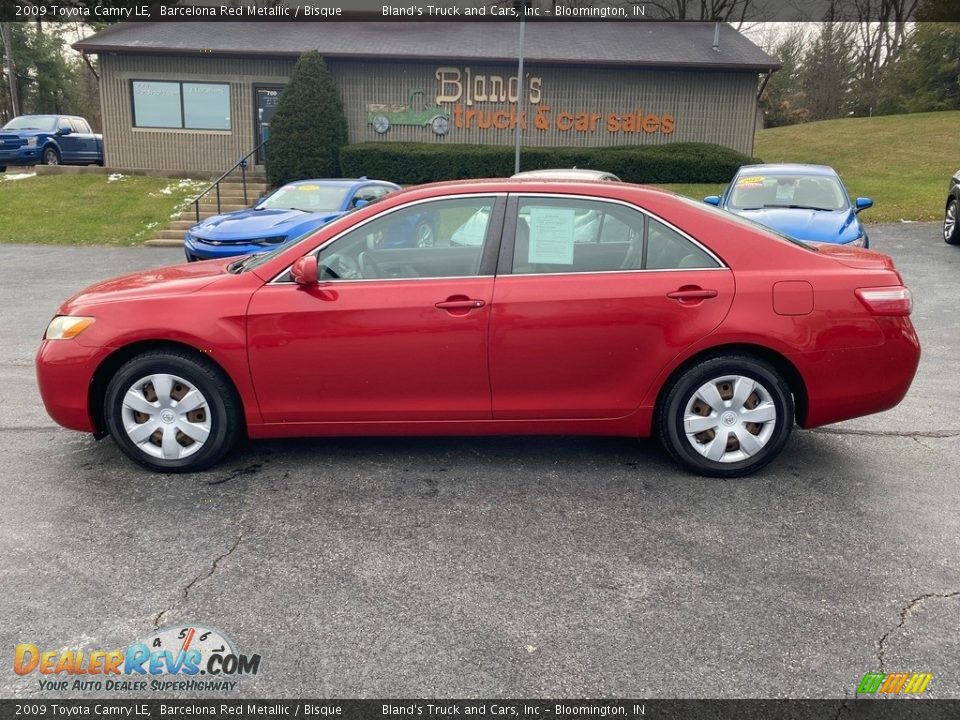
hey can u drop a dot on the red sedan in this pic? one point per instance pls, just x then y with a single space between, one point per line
543 307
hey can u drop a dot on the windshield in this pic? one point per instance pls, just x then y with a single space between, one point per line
757 191
32 122
307 197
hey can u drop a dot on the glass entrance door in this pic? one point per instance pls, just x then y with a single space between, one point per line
265 99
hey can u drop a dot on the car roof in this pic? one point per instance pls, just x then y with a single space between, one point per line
339 182
565 174
788 168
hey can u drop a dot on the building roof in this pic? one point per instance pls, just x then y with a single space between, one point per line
628 43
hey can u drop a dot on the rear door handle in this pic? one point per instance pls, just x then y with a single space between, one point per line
691 294
467 304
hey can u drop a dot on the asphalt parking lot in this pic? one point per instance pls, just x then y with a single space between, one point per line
454 567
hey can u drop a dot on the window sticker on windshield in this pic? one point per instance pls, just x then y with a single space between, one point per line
551 235
752 180
309 188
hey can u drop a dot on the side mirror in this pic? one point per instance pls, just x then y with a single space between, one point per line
863 203
64 131
360 202
712 200
304 271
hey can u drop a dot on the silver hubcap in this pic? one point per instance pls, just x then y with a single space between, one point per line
729 419
950 221
166 417
424 236
52 158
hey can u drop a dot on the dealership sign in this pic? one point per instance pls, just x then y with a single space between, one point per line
465 99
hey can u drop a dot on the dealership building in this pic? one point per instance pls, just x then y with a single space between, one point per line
199 96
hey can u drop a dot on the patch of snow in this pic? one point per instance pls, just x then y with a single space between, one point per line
16 176
113 177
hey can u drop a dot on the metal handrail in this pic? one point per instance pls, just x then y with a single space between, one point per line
242 164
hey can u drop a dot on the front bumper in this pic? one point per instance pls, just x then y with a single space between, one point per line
65 370
20 156
197 249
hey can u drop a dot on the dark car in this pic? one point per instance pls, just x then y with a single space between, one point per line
49 140
951 230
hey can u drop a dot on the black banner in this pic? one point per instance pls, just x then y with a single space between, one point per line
637 709
734 11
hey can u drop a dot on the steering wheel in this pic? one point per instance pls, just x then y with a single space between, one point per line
368 266
340 267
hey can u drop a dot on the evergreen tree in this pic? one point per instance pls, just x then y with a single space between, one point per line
309 127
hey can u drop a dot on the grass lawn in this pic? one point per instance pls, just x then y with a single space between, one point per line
903 162
88 209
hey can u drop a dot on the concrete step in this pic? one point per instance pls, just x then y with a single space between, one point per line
192 216
164 242
225 207
181 225
170 234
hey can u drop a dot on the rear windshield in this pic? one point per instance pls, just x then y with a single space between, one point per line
747 223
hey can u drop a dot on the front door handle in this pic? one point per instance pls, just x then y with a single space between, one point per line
464 304
691 293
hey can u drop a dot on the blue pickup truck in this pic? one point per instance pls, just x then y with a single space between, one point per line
49 140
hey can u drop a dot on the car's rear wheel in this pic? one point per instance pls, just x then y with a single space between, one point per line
726 416
172 412
425 235
951 229
50 156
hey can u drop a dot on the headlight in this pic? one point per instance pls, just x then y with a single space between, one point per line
32 141
67 327
269 240
858 242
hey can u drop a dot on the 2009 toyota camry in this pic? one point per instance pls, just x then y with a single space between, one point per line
543 307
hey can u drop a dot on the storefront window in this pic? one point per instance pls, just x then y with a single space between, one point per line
190 106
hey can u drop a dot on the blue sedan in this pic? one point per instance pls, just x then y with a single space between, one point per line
806 202
292 211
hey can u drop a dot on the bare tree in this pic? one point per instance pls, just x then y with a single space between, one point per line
882 32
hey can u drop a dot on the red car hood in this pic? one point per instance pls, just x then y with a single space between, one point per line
856 257
172 280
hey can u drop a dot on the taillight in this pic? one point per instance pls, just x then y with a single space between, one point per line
895 300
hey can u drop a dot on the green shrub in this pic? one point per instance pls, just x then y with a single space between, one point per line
309 127
412 163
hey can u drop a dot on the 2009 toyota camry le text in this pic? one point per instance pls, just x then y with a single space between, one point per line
542 307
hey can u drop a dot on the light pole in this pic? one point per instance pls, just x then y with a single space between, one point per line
516 141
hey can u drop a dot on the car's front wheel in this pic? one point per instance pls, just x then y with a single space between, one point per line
50 156
172 412
726 416
951 229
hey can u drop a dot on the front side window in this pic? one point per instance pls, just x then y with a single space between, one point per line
573 235
440 238
190 106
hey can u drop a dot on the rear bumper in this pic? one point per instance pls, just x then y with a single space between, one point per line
65 370
849 383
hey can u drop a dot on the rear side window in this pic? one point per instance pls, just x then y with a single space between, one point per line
573 235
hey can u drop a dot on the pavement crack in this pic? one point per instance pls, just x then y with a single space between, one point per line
248 470
888 433
185 593
904 615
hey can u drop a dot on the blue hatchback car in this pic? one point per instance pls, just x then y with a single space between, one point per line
290 212
806 202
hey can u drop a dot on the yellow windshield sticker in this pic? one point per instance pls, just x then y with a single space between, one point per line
752 180
308 188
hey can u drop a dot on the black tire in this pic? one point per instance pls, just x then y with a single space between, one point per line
3 168
670 416
225 418
50 156
952 235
